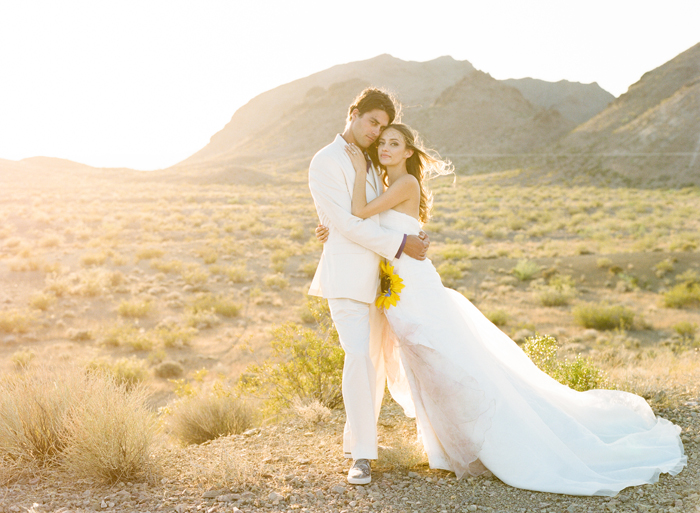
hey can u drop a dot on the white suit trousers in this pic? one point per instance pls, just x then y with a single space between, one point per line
359 327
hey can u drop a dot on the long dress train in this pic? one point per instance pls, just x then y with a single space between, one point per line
480 402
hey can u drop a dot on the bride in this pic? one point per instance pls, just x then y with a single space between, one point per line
478 400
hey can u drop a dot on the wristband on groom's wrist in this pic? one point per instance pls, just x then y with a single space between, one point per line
400 251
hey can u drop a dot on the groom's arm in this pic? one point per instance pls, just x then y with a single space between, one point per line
331 194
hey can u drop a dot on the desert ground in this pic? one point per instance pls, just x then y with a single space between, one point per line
176 281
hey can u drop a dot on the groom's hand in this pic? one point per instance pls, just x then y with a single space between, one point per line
322 233
417 246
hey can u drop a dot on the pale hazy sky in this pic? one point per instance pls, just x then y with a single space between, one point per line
144 84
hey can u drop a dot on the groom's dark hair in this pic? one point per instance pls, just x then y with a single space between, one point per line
373 98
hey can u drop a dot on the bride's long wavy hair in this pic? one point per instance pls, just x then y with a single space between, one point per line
424 164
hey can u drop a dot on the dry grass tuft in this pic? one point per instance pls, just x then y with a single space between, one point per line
110 434
310 411
15 321
135 309
206 416
22 358
402 451
127 372
85 423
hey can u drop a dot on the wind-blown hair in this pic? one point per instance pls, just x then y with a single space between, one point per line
425 164
373 98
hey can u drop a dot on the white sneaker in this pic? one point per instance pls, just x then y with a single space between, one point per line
360 473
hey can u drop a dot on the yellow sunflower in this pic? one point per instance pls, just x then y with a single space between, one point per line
392 284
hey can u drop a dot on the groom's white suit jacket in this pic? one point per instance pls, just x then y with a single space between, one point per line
349 266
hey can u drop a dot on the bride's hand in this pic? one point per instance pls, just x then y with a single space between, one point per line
357 157
322 233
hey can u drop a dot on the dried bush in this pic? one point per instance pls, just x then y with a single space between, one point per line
310 411
86 423
111 433
148 254
33 412
169 369
200 417
41 301
15 321
22 358
128 372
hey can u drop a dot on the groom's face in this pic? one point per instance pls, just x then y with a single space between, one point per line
367 127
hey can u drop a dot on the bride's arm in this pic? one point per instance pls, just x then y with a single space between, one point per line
401 190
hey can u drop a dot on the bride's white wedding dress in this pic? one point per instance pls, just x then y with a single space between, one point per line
480 402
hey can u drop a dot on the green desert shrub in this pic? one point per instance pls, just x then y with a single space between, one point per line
174 335
276 281
579 374
525 270
498 317
200 417
136 308
450 273
601 316
559 292
223 306
236 273
306 365
685 293
685 329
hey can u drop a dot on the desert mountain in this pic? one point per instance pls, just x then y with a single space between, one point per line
654 126
480 115
253 129
575 101
50 172
458 109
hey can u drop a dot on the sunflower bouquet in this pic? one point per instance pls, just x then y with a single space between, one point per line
391 286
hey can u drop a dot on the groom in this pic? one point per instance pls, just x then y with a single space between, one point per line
348 273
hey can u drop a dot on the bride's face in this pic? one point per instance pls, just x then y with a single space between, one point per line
391 148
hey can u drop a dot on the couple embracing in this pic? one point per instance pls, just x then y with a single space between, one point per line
479 402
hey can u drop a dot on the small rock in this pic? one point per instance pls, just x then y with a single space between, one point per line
471 507
413 474
228 497
251 432
103 505
275 497
213 494
339 489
